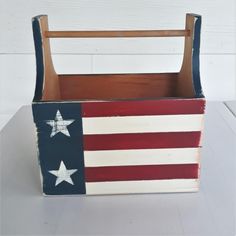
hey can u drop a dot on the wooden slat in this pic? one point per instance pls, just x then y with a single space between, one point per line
117 86
148 186
135 157
142 124
141 141
146 172
143 107
117 33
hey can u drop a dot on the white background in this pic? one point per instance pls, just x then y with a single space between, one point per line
17 60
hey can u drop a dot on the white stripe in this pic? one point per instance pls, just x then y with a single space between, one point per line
141 157
144 186
142 124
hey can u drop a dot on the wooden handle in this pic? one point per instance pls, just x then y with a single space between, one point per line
47 81
117 33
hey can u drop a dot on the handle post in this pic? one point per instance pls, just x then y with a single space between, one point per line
189 77
47 83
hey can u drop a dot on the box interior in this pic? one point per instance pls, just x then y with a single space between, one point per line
117 86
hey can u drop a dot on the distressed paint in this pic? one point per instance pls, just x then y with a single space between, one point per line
113 147
195 57
59 125
53 150
39 58
161 155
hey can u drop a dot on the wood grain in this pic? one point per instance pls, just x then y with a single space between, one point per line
212 70
117 86
123 86
185 80
118 33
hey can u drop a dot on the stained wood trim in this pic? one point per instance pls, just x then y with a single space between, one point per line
117 86
117 33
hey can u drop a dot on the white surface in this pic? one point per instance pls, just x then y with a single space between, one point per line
211 211
4 118
227 112
131 157
231 106
17 63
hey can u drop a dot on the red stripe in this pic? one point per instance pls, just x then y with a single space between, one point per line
141 141
148 107
149 172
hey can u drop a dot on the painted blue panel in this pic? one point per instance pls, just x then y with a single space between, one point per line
60 147
39 58
195 57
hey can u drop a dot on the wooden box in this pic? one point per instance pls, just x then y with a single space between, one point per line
118 133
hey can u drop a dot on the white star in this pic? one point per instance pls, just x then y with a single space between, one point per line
59 125
63 174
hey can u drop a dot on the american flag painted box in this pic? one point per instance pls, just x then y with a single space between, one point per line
118 133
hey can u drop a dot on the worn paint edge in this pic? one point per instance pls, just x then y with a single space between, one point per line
38 44
196 55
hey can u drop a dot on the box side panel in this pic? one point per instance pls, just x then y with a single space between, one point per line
119 147
142 146
60 147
